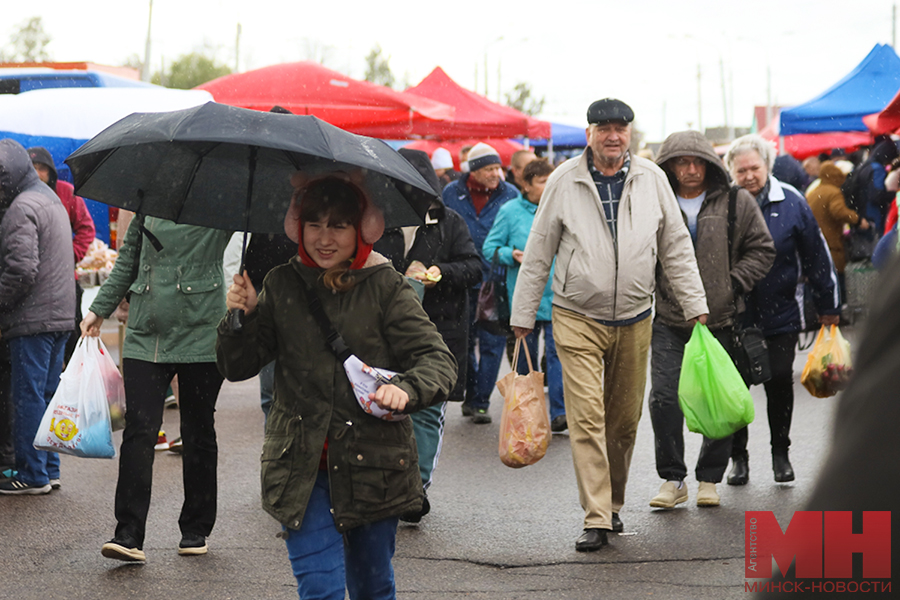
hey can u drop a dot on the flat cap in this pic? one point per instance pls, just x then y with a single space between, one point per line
609 109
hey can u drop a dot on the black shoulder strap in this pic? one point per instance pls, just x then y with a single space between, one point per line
338 346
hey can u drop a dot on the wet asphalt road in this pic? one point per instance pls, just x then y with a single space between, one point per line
493 533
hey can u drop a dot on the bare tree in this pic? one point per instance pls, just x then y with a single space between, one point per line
317 51
28 44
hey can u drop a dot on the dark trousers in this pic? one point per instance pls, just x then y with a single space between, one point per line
145 392
667 351
779 395
76 333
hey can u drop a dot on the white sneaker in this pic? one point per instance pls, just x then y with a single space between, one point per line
707 494
669 495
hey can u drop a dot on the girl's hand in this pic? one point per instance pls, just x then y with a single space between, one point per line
390 397
90 325
241 294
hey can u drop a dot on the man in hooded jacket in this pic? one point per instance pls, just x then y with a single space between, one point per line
37 306
730 263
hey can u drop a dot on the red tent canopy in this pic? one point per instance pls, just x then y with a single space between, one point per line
803 145
308 88
475 117
505 148
886 121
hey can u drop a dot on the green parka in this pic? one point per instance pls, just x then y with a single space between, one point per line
177 294
372 464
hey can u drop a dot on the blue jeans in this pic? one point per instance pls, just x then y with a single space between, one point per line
324 561
36 365
554 369
481 376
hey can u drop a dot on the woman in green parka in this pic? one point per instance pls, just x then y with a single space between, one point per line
336 477
173 277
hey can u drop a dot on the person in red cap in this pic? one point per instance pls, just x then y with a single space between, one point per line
336 476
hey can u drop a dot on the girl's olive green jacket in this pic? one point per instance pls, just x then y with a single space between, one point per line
177 294
372 464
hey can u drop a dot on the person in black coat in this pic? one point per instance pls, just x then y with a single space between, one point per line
443 257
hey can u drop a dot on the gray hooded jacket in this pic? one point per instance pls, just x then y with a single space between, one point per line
727 273
37 267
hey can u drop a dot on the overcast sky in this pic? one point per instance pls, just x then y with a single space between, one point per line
645 52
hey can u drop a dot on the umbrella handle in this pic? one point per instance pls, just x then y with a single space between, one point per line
236 319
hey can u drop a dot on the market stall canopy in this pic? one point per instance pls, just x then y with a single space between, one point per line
63 119
564 137
803 145
475 117
308 88
865 90
505 148
886 121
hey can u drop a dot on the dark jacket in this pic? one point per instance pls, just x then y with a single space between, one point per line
264 253
372 464
457 197
37 287
444 241
776 303
726 271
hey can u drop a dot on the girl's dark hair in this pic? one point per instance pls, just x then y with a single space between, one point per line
341 203
333 198
539 167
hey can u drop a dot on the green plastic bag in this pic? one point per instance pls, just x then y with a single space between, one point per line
713 397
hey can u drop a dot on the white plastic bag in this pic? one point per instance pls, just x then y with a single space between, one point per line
115 386
365 380
77 419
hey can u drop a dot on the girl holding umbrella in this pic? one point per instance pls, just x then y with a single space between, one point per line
334 475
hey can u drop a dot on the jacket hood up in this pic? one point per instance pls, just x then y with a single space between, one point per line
39 154
693 143
831 174
16 173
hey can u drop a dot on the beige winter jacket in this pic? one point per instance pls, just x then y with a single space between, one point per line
594 275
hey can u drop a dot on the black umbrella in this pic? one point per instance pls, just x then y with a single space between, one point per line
229 168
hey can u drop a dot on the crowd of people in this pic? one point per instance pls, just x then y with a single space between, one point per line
609 261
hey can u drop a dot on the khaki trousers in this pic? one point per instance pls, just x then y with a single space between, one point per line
604 375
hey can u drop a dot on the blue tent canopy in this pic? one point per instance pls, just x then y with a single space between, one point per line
865 90
564 136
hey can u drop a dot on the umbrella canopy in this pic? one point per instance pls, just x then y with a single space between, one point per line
475 116
229 168
308 88
865 90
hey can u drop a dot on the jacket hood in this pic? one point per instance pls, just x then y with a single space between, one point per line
39 154
693 143
422 163
16 173
831 174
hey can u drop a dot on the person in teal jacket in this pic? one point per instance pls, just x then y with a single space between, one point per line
507 238
173 276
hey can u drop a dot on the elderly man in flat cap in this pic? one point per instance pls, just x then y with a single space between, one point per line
610 220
